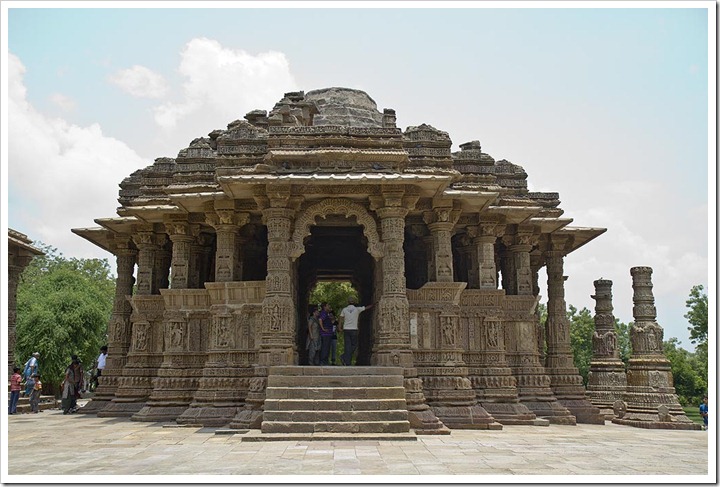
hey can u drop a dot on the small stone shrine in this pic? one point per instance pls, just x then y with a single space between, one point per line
230 237
649 400
606 378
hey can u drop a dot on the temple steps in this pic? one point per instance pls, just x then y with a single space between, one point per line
317 399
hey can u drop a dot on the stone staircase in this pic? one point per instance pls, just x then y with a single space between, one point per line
335 399
46 402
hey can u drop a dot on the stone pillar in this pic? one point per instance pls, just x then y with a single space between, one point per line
649 400
118 327
484 237
227 223
277 345
565 380
135 382
521 330
430 257
606 379
182 236
440 222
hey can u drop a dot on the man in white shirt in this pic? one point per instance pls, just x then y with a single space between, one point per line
99 365
349 326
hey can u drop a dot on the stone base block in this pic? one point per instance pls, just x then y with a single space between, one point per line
583 410
208 416
247 419
649 424
336 427
94 406
121 409
552 411
424 422
152 413
466 417
510 413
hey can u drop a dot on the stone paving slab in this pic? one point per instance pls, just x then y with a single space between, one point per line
55 446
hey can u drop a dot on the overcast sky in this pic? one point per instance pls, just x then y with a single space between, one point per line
607 106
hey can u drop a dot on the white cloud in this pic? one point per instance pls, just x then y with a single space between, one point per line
141 82
65 103
222 84
60 176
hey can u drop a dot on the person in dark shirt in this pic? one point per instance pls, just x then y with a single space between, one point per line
326 332
704 412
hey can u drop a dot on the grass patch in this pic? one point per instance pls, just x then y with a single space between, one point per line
693 414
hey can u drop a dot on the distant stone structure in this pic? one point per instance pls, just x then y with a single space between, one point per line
649 400
231 236
20 253
607 380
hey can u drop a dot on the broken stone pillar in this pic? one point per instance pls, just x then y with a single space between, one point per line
606 379
649 400
565 380
118 327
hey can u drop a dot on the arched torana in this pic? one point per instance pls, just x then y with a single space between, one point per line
335 206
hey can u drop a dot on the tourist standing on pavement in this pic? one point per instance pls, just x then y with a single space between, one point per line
704 412
72 385
333 341
35 396
326 332
99 366
15 380
32 366
349 326
313 340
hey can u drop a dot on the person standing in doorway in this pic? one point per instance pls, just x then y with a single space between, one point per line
313 338
326 332
349 326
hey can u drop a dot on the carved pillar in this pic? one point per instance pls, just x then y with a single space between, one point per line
565 379
118 326
182 236
484 237
519 246
227 224
277 345
649 400
606 379
440 222
163 259
430 257
135 382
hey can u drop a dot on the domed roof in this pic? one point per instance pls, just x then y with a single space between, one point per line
345 106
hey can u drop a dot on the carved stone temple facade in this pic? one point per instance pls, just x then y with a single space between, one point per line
226 241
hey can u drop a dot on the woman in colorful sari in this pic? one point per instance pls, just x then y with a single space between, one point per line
72 385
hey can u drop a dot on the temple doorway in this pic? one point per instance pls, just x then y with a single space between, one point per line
336 252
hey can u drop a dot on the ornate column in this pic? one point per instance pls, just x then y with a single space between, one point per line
227 223
606 379
277 345
135 382
484 237
16 264
182 235
521 331
649 400
118 327
440 222
565 379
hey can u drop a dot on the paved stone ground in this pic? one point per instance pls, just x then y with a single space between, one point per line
50 443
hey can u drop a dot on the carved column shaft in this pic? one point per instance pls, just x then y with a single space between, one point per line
558 328
180 261
442 248
227 258
146 281
521 269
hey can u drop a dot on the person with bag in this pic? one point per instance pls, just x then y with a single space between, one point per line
35 396
72 385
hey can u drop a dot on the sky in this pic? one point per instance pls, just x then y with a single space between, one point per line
608 105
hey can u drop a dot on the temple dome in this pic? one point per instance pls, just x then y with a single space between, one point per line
345 106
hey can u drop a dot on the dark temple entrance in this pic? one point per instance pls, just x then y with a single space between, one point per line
336 251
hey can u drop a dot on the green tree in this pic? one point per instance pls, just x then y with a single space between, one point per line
335 293
698 315
622 330
63 307
689 383
582 326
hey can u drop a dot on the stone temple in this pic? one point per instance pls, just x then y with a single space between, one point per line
230 237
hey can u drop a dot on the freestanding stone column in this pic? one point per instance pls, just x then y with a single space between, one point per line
277 345
227 224
649 400
565 380
440 222
118 327
182 236
606 379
